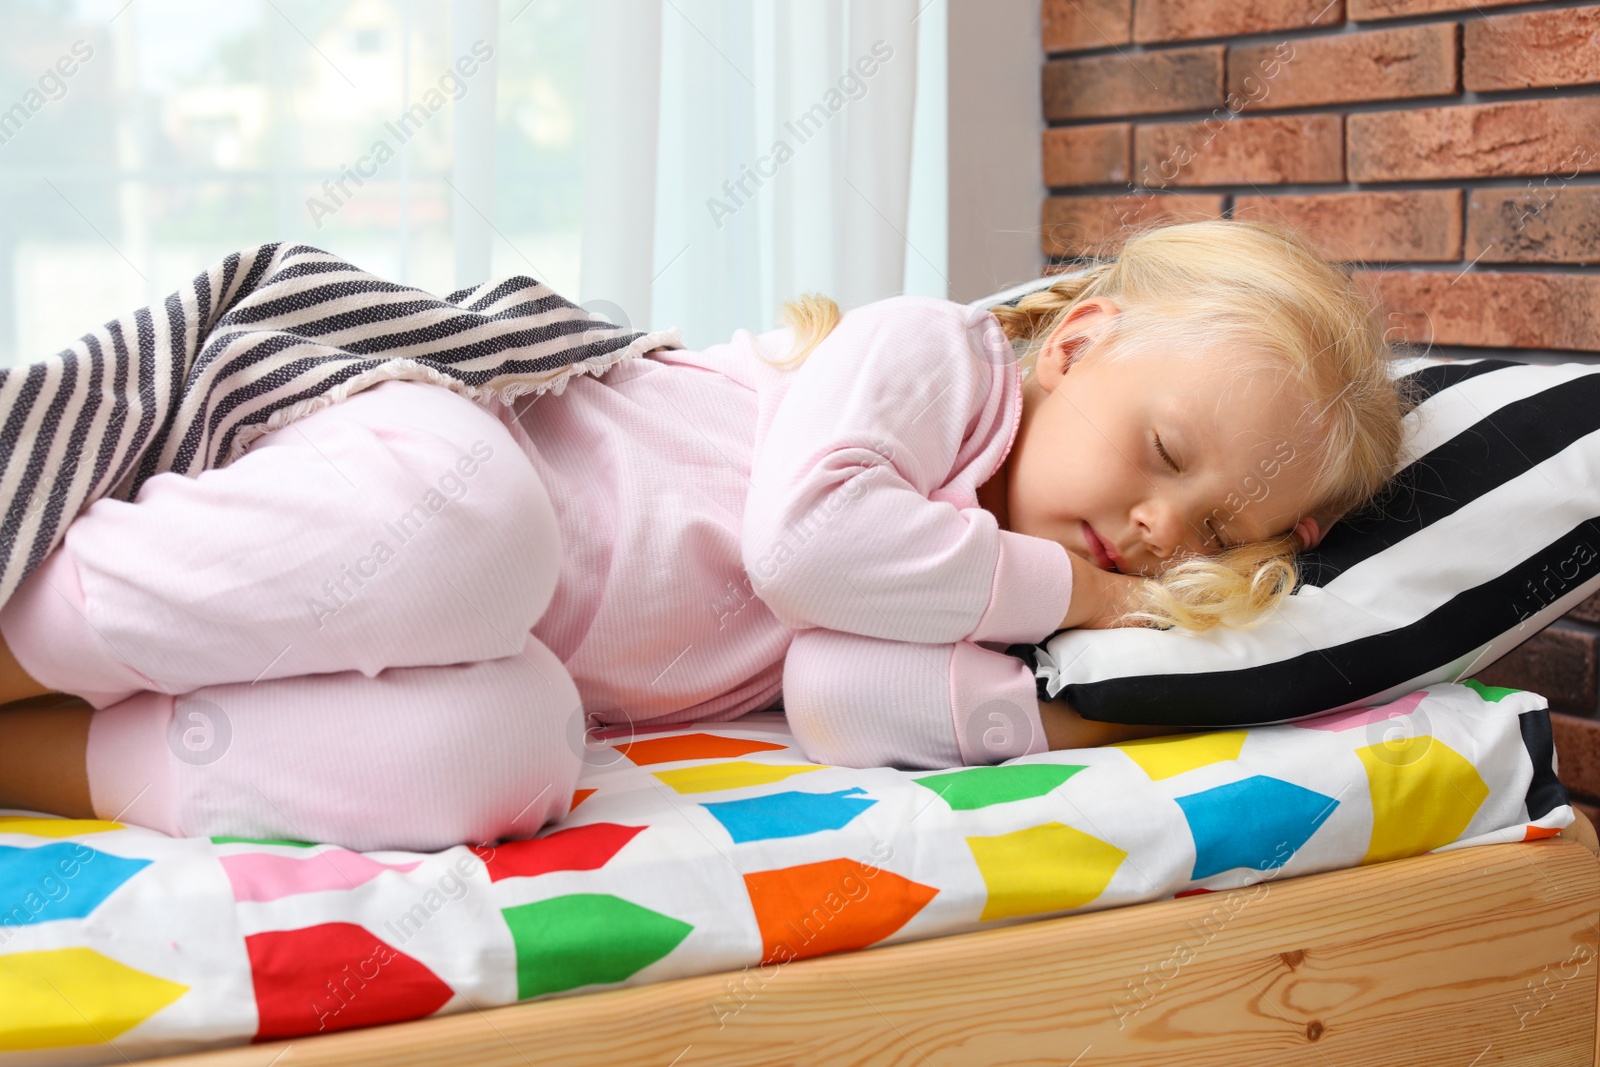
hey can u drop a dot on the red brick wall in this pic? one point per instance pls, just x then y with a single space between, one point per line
1448 150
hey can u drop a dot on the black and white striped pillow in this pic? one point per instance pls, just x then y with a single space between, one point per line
1490 532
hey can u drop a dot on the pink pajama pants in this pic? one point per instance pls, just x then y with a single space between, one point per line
326 640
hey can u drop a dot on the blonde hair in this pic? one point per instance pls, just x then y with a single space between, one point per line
812 317
1258 288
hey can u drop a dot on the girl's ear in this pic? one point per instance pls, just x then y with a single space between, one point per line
1312 529
1068 340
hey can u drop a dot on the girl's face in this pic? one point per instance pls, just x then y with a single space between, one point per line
1136 462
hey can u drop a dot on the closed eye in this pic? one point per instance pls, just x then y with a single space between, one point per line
1166 456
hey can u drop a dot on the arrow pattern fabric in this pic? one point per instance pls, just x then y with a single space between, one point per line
719 848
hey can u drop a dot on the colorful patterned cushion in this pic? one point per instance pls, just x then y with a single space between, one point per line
719 847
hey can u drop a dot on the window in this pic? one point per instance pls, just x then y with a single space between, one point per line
139 143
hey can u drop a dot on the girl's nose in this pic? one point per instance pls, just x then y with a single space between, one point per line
1165 527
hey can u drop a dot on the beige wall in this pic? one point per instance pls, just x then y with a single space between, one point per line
996 121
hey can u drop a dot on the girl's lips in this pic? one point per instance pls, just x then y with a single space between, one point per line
1104 554
1116 557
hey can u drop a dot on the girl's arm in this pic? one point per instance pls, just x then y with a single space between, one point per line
856 701
1065 728
861 515
1099 598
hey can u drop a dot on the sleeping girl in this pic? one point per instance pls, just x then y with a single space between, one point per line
400 621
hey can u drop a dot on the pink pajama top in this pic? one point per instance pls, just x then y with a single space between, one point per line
734 533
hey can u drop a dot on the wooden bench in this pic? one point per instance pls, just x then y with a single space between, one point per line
1476 957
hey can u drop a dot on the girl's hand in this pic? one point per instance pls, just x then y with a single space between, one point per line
1099 598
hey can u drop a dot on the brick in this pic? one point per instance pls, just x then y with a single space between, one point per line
1588 611
1489 309
1067 25
1577 741
1087 155
1558 664
1474 140
1098 225
1536 48
1412 226
1546 221
1177 79
1345 68
1272 148
1590 811
1363 10
1176 20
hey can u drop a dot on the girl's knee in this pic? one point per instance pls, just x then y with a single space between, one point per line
400 527
467 512
492 755
523 754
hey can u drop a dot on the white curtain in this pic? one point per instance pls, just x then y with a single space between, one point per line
742 153
472 142
688 163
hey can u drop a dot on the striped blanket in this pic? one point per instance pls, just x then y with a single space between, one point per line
262 338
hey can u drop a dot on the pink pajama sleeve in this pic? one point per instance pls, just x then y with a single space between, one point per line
861 516
857 701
